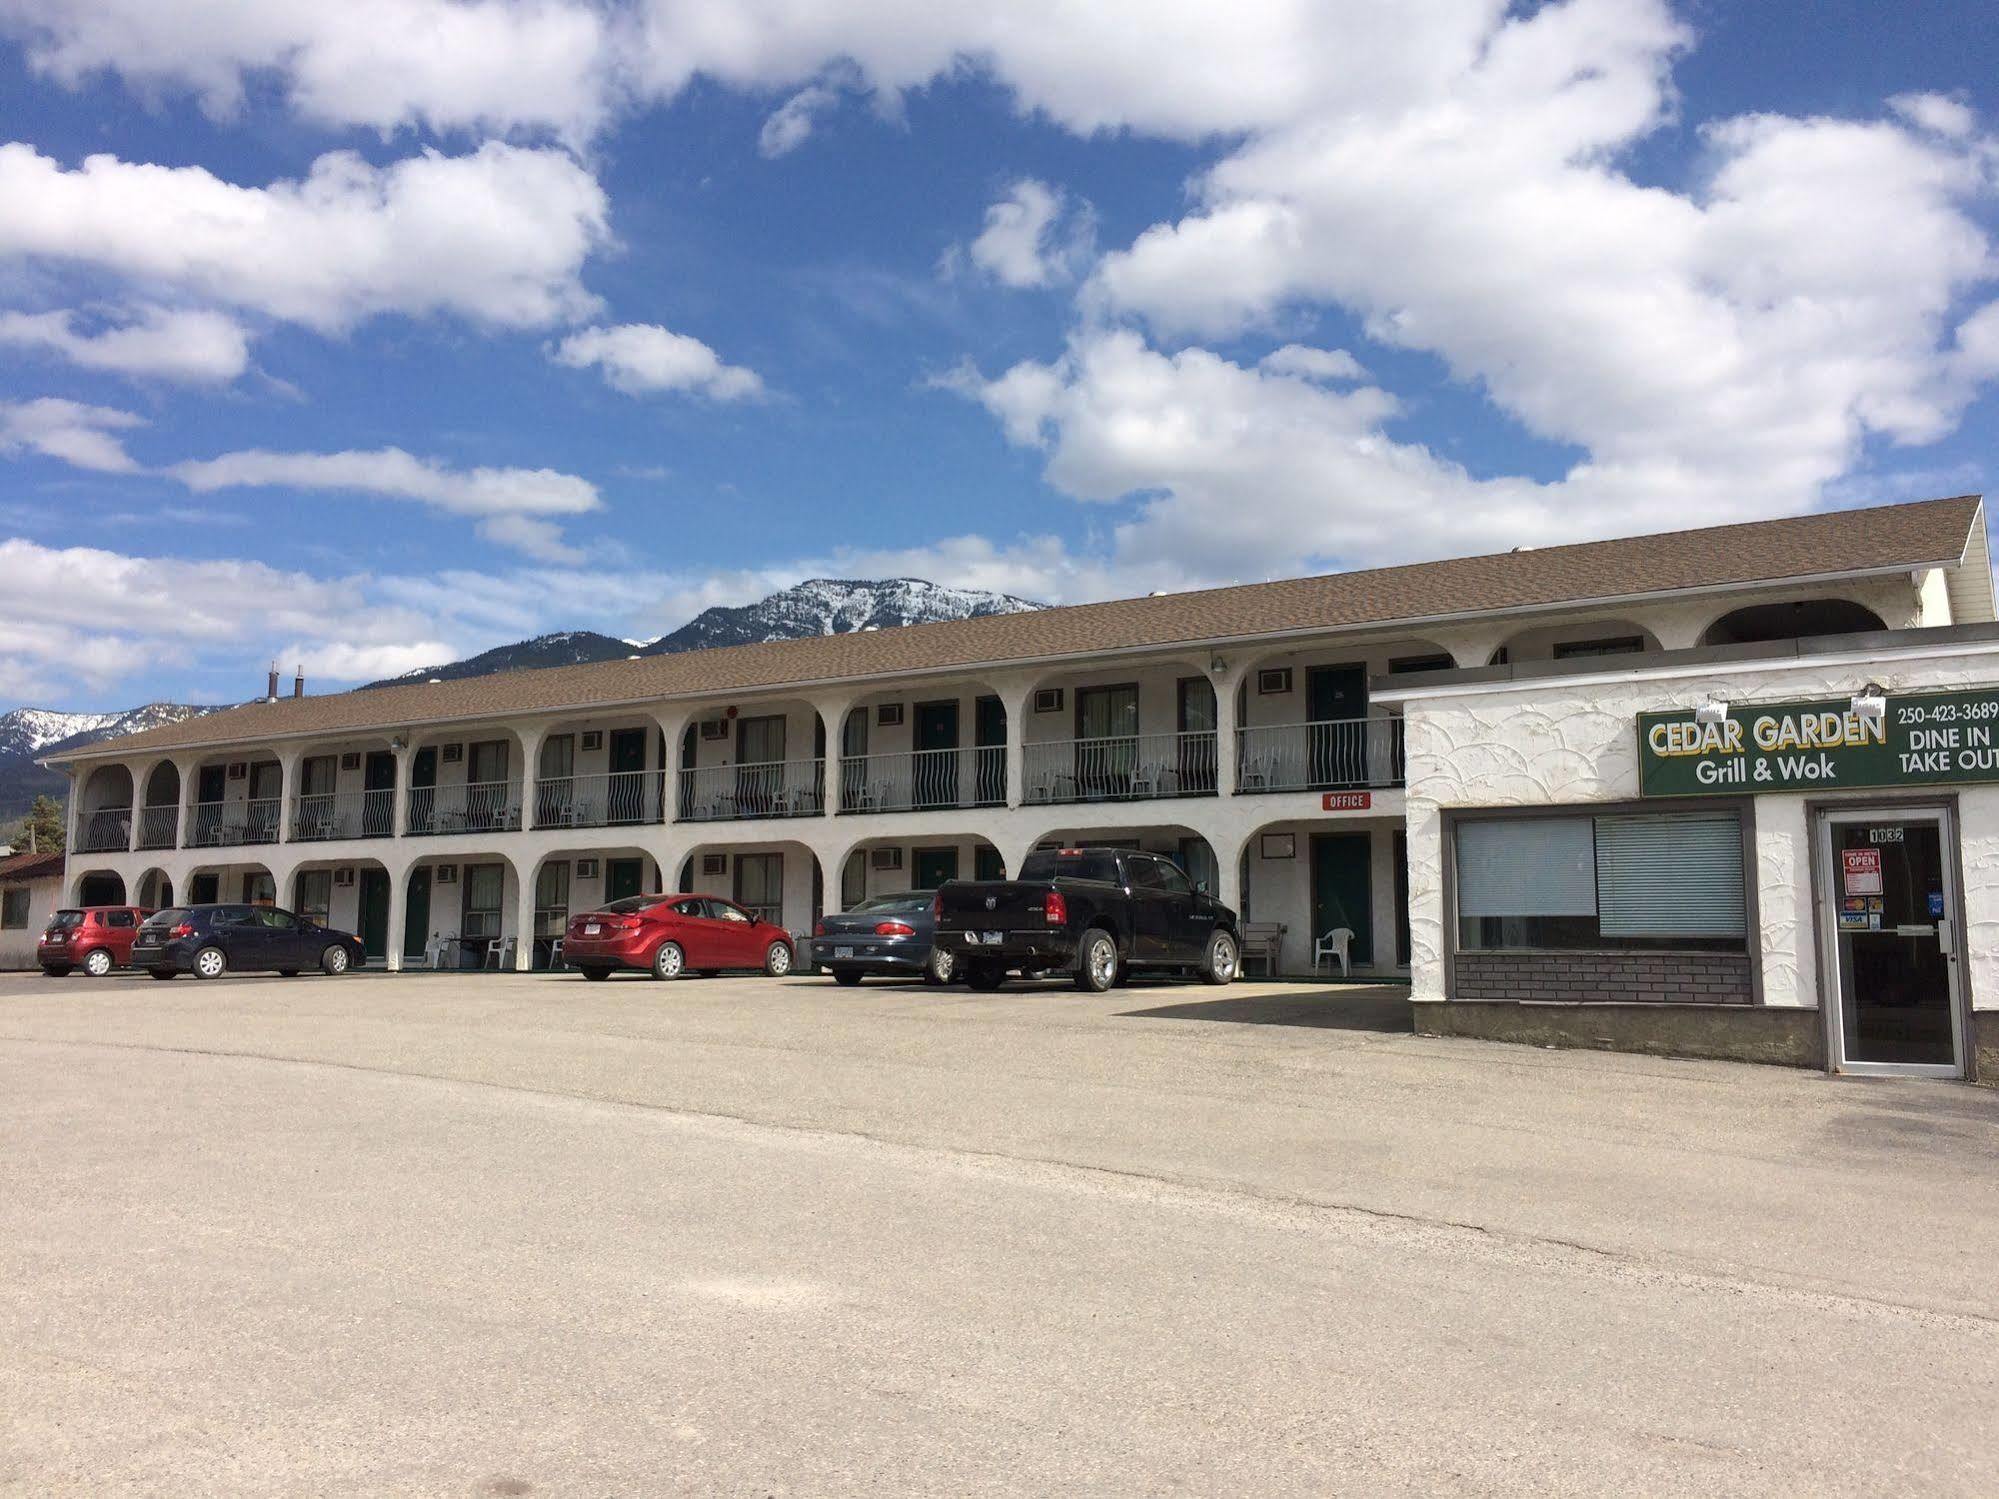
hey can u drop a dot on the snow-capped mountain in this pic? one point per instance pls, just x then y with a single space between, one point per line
28 732
820 606
835 606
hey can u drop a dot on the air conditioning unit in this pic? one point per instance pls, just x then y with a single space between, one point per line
351 760
885 858
714 728
586 869
888 715
447 874
1273 680
593 740
1048 700
239 770
714 864
453 753
343 876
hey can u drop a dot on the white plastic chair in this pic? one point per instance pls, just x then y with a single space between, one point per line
435 949
1333 945
500 953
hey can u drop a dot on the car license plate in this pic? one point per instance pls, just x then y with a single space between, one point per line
984 939
591 929
843 952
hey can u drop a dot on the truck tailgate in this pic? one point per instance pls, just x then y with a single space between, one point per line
991 905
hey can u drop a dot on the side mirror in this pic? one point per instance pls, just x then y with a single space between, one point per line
1201 887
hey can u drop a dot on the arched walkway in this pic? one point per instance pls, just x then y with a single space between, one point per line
99 887
888 865
348 895
1795 620
154 891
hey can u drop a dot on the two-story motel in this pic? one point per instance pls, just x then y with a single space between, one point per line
1447 759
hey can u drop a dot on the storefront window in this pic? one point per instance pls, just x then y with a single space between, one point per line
1646 881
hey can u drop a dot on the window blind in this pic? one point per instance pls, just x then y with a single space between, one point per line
1528 866
1678 876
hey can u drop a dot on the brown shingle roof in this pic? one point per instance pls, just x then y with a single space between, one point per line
1888 537
19 867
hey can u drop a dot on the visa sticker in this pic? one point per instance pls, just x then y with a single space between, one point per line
1936 903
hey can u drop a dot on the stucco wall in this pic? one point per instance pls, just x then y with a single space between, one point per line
1574 741
17 944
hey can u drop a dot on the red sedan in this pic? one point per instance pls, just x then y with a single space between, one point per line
96 939
665 935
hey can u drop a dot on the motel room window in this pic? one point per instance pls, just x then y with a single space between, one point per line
1644 881
551 899
487 763
14 910
315 895
485 885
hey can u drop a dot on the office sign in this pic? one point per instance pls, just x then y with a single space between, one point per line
1924 739
1346 801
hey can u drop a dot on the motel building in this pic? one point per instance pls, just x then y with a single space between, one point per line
1730 792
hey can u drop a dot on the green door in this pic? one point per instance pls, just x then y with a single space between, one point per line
416 914
622 878
1342 890
374 933
934 866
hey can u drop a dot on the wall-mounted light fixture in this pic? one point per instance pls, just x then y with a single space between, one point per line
1714 710
1870 704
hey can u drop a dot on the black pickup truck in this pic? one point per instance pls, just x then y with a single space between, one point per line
1094 913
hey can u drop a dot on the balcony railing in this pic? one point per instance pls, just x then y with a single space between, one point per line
104 831
615 798
924 780
776 788
159 827
217 823
1126 767
345 814
480 807
1335 755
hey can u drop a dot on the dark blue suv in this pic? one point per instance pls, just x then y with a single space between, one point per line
209 941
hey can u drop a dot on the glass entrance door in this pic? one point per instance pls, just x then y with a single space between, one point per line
1891 899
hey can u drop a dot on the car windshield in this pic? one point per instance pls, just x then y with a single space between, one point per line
908 901
1070 864
631 905
172 917
64 921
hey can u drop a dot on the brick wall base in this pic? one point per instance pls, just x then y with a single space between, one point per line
1603 977
1729 1033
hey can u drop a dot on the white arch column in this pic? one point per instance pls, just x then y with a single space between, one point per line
1228 701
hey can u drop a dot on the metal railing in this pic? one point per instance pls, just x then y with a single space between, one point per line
479 807
1333 755
921 780
775 788
217 823
159 827
1124 767
609 799
345 814
104 831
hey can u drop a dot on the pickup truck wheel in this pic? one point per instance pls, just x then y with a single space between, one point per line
1219 966
985 977
1096 962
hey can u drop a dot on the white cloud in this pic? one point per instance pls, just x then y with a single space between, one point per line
185 344
71 431
498 236
791 124
487 65
1938 113
641 358
1034 237
1312 364
511 504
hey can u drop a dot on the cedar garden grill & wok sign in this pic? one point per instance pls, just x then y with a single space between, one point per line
1927 739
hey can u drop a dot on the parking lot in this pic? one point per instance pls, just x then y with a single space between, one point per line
522 1235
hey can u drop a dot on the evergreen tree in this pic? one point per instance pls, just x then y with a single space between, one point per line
43 830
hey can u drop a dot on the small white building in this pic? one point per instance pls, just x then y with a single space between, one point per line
31 887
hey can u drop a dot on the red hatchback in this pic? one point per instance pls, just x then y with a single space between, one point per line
96 939
665 935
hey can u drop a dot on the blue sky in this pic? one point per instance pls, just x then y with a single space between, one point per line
612 309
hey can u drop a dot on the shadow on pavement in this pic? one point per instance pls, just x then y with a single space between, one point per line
1385 1009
